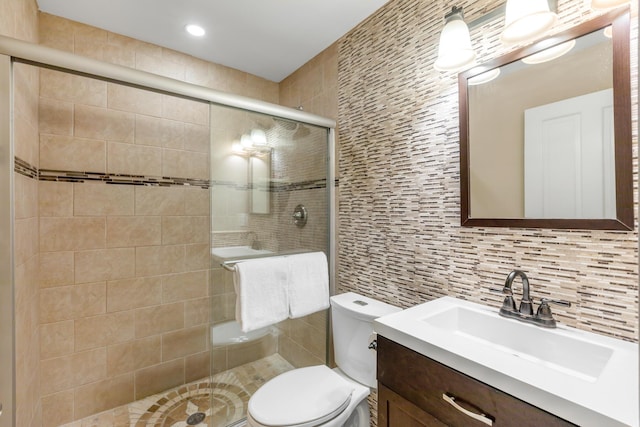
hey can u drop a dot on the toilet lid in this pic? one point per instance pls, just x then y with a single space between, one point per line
302 396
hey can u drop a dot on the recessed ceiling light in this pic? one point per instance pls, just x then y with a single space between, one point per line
195 30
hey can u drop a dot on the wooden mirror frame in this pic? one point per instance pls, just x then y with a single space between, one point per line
619 20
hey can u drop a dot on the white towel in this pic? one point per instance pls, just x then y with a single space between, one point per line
308 283
261 292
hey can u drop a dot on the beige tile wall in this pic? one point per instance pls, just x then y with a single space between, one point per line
121 278
124 269
18 19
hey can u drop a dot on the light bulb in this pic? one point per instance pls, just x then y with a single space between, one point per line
195 30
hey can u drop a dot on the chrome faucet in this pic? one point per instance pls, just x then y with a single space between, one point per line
526 308
255 243
543 316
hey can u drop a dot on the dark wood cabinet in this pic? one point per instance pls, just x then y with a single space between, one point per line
414 390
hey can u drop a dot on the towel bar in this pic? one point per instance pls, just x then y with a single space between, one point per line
230 265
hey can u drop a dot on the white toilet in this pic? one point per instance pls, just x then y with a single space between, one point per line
318 395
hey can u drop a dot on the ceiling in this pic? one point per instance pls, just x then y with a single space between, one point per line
267 38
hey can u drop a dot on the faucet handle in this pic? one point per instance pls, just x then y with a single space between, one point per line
545 301
544 317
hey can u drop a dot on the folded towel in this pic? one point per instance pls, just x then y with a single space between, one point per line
308 283
261 292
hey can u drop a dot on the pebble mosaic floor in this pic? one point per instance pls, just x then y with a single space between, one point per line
190 404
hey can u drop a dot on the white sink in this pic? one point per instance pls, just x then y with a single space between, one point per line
568 354
237 252
588 379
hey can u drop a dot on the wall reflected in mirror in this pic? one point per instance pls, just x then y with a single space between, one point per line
528 158
540 137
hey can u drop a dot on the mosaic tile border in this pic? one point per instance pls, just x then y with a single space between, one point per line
30 171
24 168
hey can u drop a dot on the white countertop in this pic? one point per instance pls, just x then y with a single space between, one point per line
611 399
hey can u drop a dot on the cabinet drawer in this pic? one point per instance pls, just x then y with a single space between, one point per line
423 382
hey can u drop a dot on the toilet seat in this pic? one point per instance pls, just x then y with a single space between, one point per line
302 397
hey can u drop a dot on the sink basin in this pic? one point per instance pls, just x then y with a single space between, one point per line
583 377
567 354
237 252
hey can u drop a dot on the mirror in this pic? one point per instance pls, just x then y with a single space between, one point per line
545 140
260 183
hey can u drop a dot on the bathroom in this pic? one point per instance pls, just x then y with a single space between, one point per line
398 210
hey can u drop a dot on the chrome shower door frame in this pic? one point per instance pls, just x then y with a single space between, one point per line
7 339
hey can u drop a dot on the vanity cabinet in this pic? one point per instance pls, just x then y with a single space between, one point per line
415 391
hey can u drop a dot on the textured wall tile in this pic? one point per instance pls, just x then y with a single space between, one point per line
154 260
133 293
134 100
132 231
55 199
55 117
134 355
72 88
159 319
60 152
184 342
106 264
103 123
134 159
184 286
56 269
103 330
57 409
185 229
68 234
56 339
66 372
159 378
99 396
100 200
72 302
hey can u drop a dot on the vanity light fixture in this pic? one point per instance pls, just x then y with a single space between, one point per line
524 20
608 32
550 54
454 50
607 4
258 137
195 30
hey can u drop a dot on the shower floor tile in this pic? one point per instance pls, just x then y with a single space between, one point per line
190 404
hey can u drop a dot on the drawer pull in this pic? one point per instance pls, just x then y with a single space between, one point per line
480 417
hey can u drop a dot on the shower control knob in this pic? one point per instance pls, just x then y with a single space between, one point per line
300 216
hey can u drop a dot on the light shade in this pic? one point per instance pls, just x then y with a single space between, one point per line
550 54
485 77
607 4
454 50
526 19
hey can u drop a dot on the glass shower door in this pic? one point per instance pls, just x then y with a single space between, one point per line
262 169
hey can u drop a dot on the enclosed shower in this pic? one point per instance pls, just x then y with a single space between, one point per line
138 193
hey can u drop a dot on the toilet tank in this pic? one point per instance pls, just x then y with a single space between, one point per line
352 318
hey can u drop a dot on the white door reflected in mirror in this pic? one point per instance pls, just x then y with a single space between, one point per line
569 168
